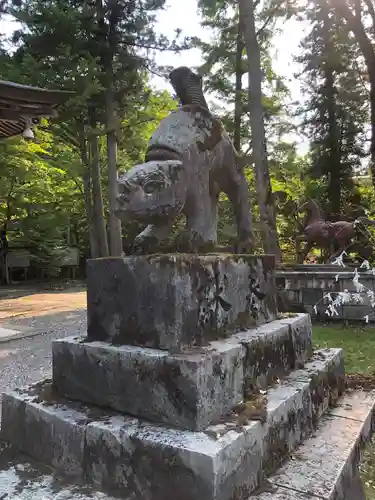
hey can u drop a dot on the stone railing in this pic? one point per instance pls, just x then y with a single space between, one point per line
311 286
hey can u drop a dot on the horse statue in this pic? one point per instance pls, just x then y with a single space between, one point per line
335 237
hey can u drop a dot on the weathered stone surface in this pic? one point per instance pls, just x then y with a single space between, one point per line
148 461
153 463
355 405
356 489
326 465
306 395
301 332
312 296
189 391
274 349
53 437
269 354
358 312
176 300
326 378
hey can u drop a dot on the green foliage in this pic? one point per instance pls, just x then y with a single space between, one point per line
101 51
138 125
225 70
90 47
42 192
37 198
220 66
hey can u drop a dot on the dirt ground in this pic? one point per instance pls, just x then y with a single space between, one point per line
28 303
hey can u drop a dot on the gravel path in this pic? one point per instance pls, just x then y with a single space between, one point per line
28 360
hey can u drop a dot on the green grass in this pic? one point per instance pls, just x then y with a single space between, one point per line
359 352
358 344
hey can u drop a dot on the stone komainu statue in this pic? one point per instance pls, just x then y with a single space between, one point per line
190 159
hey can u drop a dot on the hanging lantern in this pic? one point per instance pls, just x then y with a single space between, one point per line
28 131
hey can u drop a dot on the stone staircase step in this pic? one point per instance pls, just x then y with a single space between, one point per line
274 349
186 390
326 465
148 461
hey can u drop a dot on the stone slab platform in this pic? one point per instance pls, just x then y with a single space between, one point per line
326 466
189 390
142 460
174 300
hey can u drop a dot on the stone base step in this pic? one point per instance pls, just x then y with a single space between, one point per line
22 478
333 471
326 465
146 461
188 390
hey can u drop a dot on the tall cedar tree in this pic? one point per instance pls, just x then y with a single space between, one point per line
359 17
336 107
226 66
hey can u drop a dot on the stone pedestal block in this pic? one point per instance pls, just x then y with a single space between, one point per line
174 301
188 391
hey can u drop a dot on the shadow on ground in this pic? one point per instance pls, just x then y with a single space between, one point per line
37 305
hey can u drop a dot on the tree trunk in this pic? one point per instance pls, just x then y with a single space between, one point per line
372 117
258 136
94 246
334 168
107 41
97 195
86 178
114 222
4 248
355 25
238 96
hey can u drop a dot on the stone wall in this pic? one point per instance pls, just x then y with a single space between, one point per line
307 285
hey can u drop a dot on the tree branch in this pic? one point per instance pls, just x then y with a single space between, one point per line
265 24
78 185
355 25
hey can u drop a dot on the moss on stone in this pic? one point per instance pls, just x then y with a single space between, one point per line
272 360
253 408
286 315
278 448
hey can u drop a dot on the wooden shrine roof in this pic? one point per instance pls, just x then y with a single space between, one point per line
19 101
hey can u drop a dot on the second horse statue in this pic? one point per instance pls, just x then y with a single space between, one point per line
336 237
